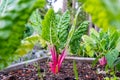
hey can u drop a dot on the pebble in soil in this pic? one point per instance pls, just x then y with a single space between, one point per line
41 71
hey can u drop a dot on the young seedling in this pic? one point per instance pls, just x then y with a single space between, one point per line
75 70
41 74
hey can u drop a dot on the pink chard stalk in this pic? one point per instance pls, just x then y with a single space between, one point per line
103 61
57 59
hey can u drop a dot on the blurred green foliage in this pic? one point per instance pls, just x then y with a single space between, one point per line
32 33
105 13
34 24
28 43
12 27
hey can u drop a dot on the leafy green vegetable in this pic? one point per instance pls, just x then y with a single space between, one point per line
55 32
12 27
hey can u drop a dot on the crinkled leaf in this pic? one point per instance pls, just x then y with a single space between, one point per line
113 39
76 38
62 28
49 28
111 56
35 21
88 40
117 63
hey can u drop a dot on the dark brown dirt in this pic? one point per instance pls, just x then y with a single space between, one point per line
41 71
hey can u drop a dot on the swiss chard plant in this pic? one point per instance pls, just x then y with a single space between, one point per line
106 15
103 45
59 36
13 17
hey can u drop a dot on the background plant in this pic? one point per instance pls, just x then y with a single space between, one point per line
106 15
102 44
32 33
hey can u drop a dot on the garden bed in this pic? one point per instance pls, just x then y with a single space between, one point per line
39 69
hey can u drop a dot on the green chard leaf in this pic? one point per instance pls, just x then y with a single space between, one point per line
55 28
62 28
35 21
76 38
117 63
49 29
111 56
113 39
